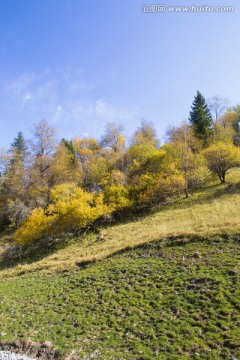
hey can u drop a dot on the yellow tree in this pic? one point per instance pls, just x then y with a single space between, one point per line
224 128
221 157
113 137
15 178
115 190
92 162
145 133
71 208
138 158
65 167
15 182
184 149
113 141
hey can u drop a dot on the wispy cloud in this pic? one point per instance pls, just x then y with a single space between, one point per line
33 90
67 99
29 91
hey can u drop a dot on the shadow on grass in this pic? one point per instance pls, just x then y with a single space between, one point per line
155 247
16 255
181 240
21 255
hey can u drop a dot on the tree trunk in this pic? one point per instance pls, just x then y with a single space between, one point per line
222 177
186 185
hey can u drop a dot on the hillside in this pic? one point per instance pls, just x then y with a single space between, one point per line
167 285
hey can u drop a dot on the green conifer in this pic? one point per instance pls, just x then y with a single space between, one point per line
201 118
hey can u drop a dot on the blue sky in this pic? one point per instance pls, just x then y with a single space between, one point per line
82 63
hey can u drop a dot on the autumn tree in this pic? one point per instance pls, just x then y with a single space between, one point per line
137 158
70 209
158 179
92 162
116 191
224 129
4 160
234 113
184 149
65 167
113 137
152 176
143 148
42 149
221 157
113 141
145 133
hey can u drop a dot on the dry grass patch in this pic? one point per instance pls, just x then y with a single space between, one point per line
218 216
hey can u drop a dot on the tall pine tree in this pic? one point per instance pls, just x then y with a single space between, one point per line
201 118
18 147
15 176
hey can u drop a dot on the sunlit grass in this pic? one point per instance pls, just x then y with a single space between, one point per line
167 286
211 211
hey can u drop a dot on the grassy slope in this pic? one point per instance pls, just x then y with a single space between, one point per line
174 296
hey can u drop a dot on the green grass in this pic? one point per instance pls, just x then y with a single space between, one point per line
164 286
177 301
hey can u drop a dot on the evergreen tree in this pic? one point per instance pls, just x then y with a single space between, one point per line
69 146
15 174
201 118
18 147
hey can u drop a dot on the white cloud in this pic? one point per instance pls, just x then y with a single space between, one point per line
27 97
57 114
59 109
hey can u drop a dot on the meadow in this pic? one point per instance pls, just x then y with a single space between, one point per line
163 285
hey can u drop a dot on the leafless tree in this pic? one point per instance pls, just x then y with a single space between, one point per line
217 104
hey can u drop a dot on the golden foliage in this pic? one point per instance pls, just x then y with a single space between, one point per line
221 157
70 208
34 227
117 196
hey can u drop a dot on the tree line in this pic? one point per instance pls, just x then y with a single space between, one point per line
49 188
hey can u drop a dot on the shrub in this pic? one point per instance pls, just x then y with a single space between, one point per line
70 208
116 196
34 227
153 189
